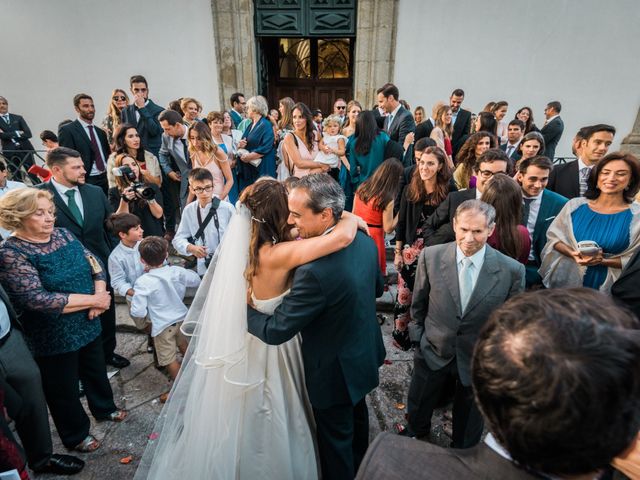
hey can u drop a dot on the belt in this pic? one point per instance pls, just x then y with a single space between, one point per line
373 225
5 338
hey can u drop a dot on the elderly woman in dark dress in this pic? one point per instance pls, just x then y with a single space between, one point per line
257 145
59 288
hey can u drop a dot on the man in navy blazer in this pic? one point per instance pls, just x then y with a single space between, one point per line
540 207
15 135
85 218
461 119
89 140
143 114
332 303
552 129
399 121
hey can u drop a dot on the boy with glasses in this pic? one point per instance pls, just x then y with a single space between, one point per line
203 221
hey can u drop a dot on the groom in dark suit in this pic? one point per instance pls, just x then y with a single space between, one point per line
82 209
332 304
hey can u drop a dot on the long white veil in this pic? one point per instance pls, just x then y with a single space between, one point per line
199 426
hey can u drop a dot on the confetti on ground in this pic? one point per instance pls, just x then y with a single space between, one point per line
400 406
153 436
126 460
387 362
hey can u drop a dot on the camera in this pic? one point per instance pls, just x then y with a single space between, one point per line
140 189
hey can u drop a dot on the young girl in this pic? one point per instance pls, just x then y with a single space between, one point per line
332 145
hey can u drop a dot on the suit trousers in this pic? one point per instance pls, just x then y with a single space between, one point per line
108 324
425 390
24 399
60 376
171 198
343 438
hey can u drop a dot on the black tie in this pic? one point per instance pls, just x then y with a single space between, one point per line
526 209
187 160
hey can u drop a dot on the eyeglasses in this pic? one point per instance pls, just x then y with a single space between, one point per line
487 173
207 189
118 97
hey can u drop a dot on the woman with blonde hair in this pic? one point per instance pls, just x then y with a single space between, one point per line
205 153
191 109
349 126
443 130
119 100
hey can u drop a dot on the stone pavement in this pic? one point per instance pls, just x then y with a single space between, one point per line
137 388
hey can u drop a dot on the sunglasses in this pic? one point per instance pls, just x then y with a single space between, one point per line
341 107
118 97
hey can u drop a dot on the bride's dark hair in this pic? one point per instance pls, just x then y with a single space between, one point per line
266 199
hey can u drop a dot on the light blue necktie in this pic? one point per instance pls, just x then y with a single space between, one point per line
466 282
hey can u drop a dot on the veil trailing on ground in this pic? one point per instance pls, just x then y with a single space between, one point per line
199 425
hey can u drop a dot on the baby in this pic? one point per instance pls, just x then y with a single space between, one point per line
332 145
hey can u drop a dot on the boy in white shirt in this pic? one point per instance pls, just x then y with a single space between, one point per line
159 293
124 263
203 221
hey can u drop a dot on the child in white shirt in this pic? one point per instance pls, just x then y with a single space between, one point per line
195 214
159 293
332 145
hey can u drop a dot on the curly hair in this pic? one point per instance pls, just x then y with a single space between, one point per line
266 199
19 204
467 154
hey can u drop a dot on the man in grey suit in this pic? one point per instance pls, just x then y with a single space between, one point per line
457 287
534 341
552 128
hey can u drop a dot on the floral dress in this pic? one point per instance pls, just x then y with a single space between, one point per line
406 281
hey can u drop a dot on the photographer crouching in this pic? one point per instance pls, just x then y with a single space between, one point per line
132 194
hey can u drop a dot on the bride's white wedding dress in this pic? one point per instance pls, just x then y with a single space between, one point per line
239 408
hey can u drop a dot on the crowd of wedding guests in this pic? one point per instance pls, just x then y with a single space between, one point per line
472 205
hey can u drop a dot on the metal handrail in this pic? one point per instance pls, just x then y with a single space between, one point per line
18 162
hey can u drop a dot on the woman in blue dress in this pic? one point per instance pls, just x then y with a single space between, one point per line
259 142
608 216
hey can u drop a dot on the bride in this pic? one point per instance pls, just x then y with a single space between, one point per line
239 408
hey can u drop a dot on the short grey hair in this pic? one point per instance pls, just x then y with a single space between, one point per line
258 104
478 206
324 192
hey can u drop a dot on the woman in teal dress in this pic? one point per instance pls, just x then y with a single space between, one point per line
608 216
59 289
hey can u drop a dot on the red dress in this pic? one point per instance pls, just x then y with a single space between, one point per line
373 217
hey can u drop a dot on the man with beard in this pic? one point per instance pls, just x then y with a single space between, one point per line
82 209
90 141
460 118
143 113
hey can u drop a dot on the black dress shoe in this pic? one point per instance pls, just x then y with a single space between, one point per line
62 465
118 361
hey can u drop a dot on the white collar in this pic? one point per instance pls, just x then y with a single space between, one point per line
62 189
475 258
536 198
85 124
552 118
129 249
582 165
514 145
395 110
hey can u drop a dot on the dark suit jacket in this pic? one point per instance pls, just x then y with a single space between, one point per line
461 128
552 132
550 207
333 304
438 228
515 156
13 317
148 126
626 288
446 332
392 457
9 137
401 125
74 136
92 234
423 130
565 180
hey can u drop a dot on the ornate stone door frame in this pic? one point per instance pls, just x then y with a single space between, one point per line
235 42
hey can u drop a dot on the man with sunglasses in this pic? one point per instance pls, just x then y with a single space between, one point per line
238 108
438 228
340 109
143 113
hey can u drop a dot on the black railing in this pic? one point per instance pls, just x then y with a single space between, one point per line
563 160
18 163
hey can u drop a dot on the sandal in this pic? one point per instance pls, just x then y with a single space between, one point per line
117 416
88 445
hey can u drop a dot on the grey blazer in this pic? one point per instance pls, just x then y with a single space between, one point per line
444 331
392 457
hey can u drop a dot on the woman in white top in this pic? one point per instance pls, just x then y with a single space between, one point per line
301 145
205 153
443 130
500 109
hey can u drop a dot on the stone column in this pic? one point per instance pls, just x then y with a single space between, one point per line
375 48
631 143
235 48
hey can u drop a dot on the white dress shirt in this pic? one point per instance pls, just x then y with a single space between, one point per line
159 293
534 209
61 189
454 117
189 226
94 169
477 260
478 194
138 113
392 116
124 267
